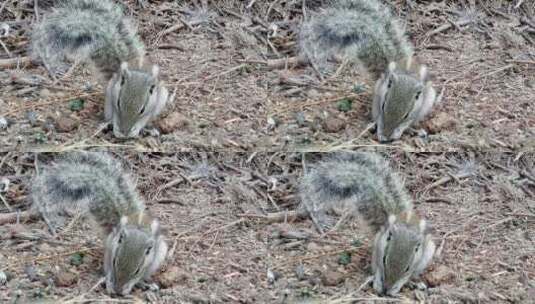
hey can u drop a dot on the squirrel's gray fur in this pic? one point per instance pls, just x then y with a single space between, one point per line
361 182
95 184
87 30
361 31
86 182
365 32
97 32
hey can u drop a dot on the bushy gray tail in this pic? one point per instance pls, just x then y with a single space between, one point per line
86 30
360 182
86 182
363 31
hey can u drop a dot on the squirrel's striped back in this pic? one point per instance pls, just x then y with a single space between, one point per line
360 181
94 31
87 182
363 31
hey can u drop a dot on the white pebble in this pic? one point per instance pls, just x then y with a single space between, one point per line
3 278
4 184
4 28
3 122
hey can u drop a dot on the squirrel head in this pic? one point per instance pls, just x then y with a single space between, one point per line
134 97
401 251
401 99
130 255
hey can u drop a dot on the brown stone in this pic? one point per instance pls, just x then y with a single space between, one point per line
172 122
439 275
66 124
441 121
333 124
65 279
313 247
172 276
332 278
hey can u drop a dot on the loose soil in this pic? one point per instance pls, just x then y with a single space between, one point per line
481 209
229 98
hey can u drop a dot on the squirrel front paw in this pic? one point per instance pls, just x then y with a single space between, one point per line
417 285
150 131
144 285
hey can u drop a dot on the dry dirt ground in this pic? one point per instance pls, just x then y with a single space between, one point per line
481 208
230 98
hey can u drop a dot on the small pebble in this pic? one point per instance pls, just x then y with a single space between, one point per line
313 93
3 278
272 123
313 247
32 118
65 279
272 276
315 278
4 184
45 93
48 125
31 272
300 118
441 274
171 277
174 121
44 247
300 272
442 121
316 124
3 123
88 87
333 124
332 278
4 30
66 124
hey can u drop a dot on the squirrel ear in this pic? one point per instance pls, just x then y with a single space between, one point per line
155 71
391 66
422 225
124 66
408 63
391 219
409 215
124 69
154 226
422 72
124 221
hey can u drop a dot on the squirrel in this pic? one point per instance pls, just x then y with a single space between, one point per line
365 32
95 184
97 32
364 184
